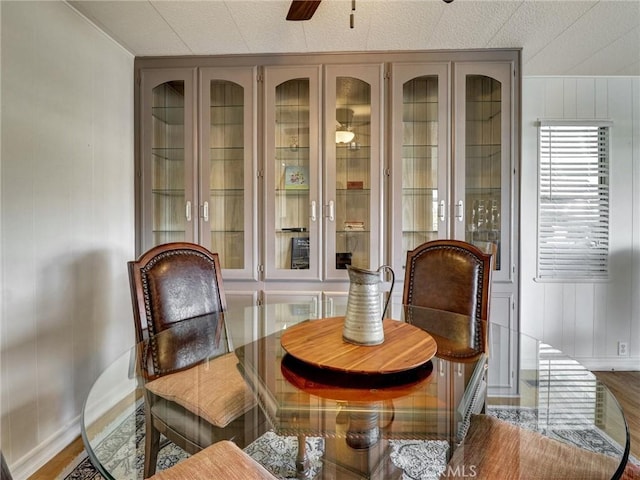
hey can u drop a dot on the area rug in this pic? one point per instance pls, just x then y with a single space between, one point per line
419 460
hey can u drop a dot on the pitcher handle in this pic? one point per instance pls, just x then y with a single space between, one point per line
393 281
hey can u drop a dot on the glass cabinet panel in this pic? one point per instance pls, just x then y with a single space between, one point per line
418 163
352 168
292 176
227 161
167 147
167 152
291 186
226 172
483 161
353 172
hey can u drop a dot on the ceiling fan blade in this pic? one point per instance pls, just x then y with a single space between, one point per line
302 9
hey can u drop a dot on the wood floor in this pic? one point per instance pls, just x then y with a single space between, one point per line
624 385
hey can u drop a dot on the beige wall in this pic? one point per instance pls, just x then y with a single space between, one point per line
586 320
67 221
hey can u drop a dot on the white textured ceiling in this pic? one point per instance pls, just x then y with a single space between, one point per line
557 37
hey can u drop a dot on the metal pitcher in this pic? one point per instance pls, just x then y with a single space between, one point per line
363 320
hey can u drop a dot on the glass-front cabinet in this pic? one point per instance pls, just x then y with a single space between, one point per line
198 162
454 175
420 168
353 168
292 167
452 166
483 160
168 107
322 210
292 208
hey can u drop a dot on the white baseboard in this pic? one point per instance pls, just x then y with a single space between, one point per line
611 363
43 453
104 399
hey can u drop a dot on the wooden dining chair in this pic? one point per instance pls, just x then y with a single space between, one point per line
454 276
193 391
222 460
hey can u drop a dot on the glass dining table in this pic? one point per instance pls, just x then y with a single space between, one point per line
327 421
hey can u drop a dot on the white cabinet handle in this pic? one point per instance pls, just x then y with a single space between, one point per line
441 210
187 211
205 211
459 210
313 211
332 211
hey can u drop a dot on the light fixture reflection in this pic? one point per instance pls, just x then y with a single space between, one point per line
344 136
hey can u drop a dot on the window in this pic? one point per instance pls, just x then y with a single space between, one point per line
573 200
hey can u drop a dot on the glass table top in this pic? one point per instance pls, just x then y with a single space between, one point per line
360 422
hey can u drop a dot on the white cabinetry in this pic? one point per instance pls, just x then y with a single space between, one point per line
291 167
198 161
454 166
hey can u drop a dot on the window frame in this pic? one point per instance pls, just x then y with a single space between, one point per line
549 263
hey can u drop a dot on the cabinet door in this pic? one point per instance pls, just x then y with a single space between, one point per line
484 159
167 196
227 182
292 229
353 165
419 158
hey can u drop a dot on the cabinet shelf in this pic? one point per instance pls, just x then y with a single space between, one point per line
169 115
226 115
225 191
353 191
419 191
171 154
358 232
294 233
483 190
226 154
292 192
418 232
169 192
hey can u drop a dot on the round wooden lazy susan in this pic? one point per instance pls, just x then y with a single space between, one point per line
320 343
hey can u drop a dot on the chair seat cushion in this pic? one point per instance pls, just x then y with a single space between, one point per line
495 449
213 390
222 460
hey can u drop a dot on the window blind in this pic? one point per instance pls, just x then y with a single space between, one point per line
573 196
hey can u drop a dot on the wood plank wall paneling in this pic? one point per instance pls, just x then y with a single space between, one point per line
587 319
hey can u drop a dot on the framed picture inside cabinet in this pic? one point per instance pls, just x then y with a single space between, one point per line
300 253
296 178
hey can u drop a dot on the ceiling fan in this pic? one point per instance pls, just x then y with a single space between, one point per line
302 9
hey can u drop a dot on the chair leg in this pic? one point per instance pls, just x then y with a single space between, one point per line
151 445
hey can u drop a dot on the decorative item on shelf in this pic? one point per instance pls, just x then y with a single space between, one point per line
355 185
300 253
354 226
296 178
293 144
343 259
363 319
